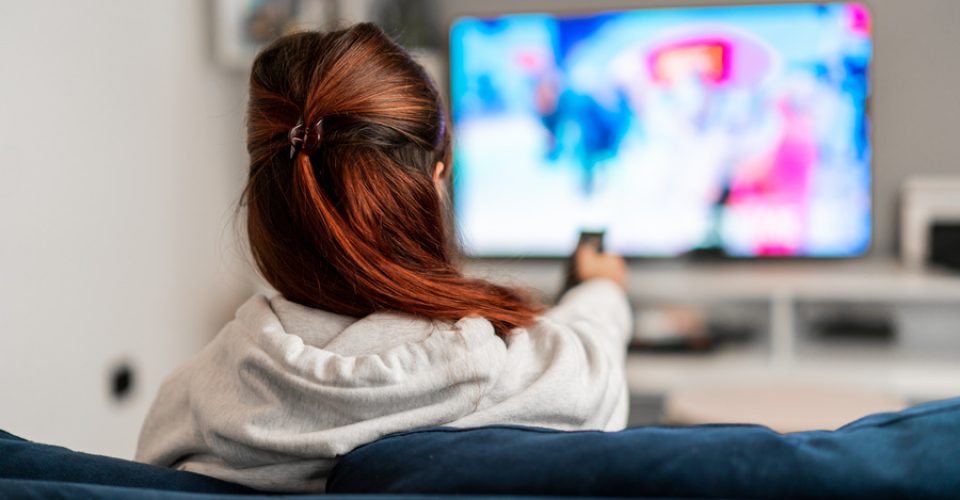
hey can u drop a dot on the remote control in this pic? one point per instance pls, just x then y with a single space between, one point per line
591 238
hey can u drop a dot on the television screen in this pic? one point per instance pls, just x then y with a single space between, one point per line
737 131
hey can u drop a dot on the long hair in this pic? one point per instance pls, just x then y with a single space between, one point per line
344 215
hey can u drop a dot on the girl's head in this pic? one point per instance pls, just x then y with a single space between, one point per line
349 152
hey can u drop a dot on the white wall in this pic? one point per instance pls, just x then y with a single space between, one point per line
121 155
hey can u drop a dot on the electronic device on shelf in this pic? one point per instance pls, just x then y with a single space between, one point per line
930 222
735 131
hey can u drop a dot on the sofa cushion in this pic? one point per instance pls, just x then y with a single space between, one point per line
25 460
912 453
22 489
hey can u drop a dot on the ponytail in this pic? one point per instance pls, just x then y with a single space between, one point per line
344 215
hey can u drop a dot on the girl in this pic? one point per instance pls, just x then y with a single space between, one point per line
375 329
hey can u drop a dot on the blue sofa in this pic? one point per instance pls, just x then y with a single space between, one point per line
914 453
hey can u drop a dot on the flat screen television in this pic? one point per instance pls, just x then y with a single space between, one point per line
740 131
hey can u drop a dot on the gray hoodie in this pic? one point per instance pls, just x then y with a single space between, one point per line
284 390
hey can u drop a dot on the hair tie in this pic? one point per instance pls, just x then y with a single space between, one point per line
299 135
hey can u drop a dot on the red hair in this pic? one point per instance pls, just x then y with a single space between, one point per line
353 222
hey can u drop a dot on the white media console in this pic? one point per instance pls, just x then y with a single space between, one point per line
921 364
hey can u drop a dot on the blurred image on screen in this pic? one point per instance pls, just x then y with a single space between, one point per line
733 130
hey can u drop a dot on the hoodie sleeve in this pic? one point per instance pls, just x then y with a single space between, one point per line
598 313
598 305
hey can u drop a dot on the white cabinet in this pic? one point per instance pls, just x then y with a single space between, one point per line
923 362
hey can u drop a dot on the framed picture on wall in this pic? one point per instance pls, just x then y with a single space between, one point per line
242 27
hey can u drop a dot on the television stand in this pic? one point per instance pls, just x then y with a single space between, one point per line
786 352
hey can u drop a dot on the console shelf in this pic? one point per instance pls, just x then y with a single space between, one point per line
782 286
654 281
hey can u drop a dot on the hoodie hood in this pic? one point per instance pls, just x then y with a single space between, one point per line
283 389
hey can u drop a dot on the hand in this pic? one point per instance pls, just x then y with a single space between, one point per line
591 264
